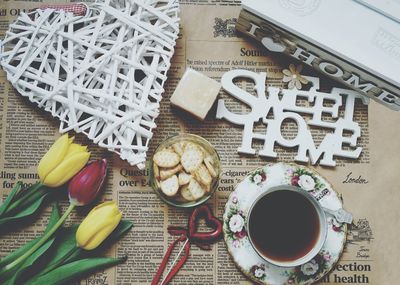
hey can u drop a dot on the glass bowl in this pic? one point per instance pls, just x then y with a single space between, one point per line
208 151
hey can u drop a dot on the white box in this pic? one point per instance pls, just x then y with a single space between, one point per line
356 42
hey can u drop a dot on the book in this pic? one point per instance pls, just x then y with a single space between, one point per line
355 42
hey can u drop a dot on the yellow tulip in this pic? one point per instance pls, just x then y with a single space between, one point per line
62 161
98 225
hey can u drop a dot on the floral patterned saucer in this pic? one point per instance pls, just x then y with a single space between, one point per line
236 239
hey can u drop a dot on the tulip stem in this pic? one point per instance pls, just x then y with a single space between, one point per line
42 240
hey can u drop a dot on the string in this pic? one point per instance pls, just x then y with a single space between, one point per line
173 263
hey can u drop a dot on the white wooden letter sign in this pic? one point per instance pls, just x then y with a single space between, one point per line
285 108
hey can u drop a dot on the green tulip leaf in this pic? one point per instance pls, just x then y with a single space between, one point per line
79 254
23 195
10 197
16 273
28 191
73 270
29 264
17 253
63 248
28 211
54 217
65 242
26 201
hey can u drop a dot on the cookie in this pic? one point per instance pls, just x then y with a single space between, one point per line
170 186
207 187
191 158
156 171
158 184
202 175
208 161
196 189
179 147
166 158
191 145
184 178
186 194
168 172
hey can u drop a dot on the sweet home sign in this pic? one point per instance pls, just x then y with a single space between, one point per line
282 103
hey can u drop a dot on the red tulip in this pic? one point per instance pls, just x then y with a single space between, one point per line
85 185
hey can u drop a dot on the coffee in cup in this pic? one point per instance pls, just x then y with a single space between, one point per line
286 226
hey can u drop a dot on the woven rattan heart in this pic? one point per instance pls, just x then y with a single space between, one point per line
102 73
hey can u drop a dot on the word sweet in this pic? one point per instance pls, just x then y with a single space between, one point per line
342 135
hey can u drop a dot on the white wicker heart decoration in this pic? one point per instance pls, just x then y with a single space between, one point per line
101 74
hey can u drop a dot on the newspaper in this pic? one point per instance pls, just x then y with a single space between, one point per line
208 43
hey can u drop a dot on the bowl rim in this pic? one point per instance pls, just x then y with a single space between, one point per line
189 204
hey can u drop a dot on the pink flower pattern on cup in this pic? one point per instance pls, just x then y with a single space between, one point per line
234 227
258 271
258 177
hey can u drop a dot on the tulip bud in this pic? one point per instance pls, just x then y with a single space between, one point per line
62 161
85 185
98 225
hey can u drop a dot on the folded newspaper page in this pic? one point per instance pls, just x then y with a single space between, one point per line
209 44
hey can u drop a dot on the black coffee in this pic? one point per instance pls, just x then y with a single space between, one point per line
284 225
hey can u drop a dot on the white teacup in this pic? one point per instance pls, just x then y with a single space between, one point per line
286 226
